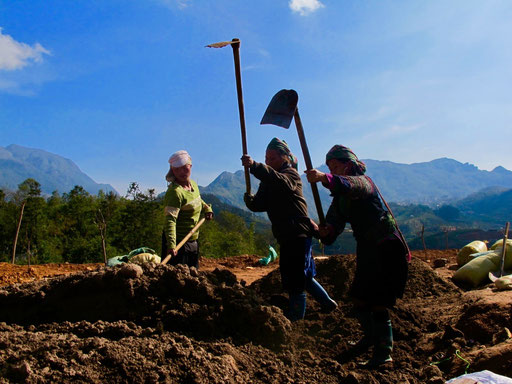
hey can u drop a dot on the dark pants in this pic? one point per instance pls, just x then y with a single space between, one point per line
296 263
188 254
381 273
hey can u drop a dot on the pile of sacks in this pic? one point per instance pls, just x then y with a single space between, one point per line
138 256
477 264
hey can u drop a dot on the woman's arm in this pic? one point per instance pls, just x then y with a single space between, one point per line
207 210
353 186
335 224
172 205
289 178
257 202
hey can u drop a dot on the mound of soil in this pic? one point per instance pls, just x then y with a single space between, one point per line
159 323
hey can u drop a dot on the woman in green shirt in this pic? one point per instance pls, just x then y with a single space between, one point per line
183 208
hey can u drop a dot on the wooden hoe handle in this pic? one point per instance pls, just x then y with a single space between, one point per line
238 75
185 239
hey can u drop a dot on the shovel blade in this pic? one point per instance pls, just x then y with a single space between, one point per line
281 108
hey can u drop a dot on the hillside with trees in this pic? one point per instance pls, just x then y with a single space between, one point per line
78 227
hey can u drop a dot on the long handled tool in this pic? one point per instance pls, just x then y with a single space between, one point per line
280 111
235 44
504 250
185 239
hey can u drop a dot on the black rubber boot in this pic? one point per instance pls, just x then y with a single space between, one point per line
360 347
383 341
366 321
297 308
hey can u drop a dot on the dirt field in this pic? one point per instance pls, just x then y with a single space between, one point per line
224 324
16 274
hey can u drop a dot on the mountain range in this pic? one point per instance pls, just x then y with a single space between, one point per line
53 172
438 181
434 183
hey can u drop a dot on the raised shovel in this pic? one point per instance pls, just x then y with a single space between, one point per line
280 111
235 44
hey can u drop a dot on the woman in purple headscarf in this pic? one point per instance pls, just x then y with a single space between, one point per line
382 253
280 195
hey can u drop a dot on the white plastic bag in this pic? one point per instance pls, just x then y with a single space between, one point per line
482 377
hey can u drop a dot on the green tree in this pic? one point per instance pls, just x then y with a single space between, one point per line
107 205
32 228
9 213
138 222
53 244
81 241
229 235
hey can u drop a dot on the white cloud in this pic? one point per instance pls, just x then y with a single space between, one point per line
181 4
7 85
398 129
392 131
15 55
304 7
264 52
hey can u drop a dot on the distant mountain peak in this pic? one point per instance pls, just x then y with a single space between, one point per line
53 172
501 170
448 163
443 160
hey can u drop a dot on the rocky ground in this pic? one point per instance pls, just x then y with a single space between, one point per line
224 324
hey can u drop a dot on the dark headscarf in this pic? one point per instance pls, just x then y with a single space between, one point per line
343 153
281 147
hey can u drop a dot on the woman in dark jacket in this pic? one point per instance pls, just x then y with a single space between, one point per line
382 253
280 195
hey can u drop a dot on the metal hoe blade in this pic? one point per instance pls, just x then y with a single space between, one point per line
221 44
281 109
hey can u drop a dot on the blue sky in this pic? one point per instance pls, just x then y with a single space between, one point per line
118 86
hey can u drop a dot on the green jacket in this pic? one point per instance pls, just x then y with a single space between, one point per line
182 211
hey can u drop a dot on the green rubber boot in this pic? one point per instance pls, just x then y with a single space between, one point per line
383 340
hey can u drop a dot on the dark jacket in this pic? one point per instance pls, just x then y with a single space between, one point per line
356 201
280 195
